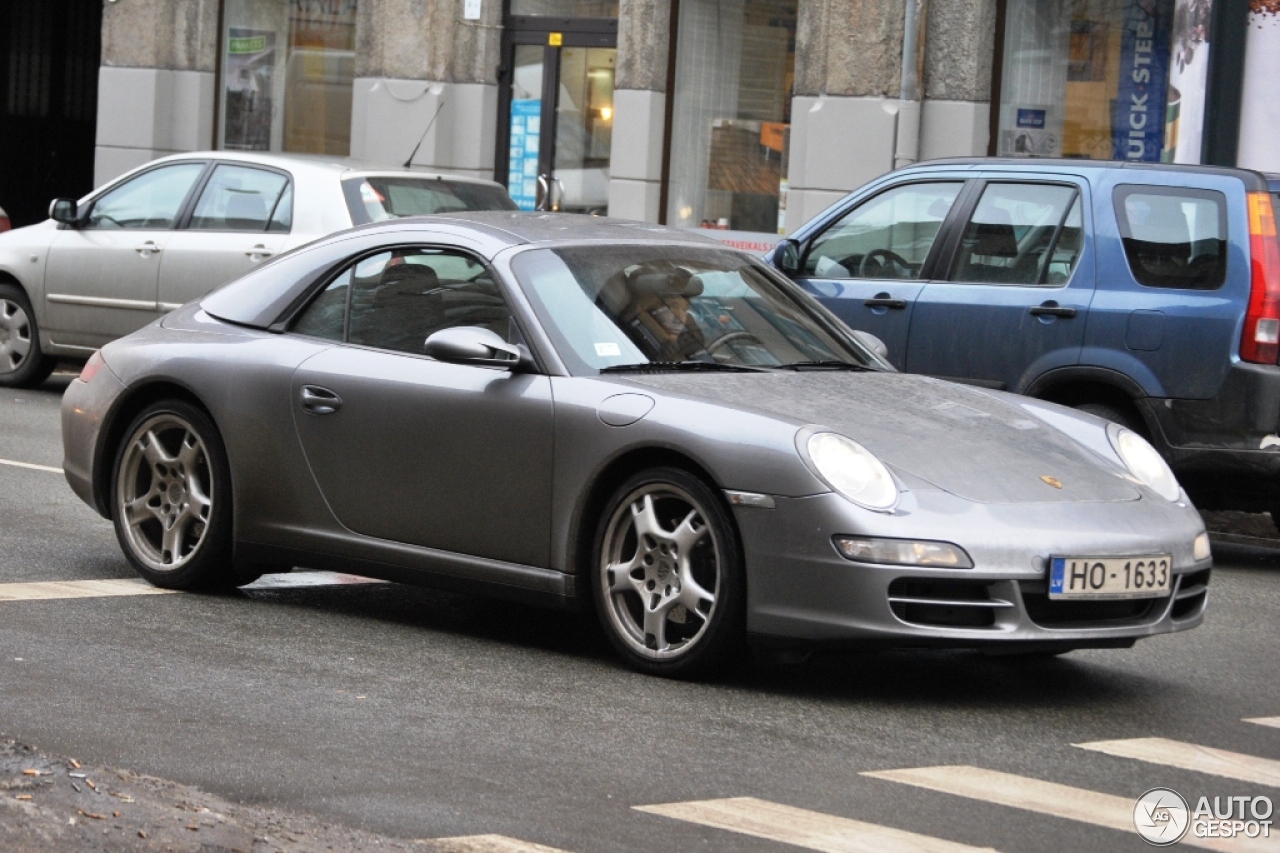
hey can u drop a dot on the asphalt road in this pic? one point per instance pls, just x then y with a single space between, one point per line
420 714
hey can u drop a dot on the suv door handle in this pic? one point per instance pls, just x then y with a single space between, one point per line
319 401
147 249
884 300
1051 309
258 252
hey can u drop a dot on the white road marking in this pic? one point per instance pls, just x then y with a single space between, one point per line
295 580
488 844
78 589
1190 756
1274 722
31 465
803 828
1049 798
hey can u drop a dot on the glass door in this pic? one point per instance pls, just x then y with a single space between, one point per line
558 113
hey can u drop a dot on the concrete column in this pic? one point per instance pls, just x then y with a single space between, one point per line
639 109
845 108
156 82
424 73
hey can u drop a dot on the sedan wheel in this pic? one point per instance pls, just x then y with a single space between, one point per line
22 364
667 574
172 498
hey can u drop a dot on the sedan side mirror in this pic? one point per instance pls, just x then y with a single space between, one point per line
872 343
472 345
787 256
63 210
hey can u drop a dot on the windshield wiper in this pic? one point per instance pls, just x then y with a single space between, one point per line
692 366
830 364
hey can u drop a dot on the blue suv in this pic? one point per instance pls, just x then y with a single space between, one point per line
1145 294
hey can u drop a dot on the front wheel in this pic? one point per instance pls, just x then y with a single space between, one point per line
667 577
22 363
171 499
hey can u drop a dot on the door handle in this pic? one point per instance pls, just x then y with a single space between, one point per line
544 194
319 401
884 300
1051 309
258 252
147 249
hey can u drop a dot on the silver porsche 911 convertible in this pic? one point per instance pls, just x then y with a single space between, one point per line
592 413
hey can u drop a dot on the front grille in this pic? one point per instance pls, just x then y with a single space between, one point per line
944 603
1193 591
1048 613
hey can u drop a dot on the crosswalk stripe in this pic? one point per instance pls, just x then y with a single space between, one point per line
1190 756
78 589
488 844
31 465
1049 798
803 828
1274 722
298 580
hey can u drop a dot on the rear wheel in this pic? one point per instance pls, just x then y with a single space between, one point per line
22 363
171 499
667 575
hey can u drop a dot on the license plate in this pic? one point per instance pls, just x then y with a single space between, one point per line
1110 577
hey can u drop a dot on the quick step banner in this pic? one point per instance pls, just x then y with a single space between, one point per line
1138 121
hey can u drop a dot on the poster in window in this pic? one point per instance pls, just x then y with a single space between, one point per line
1138 123
1188 79
249 67
1260 112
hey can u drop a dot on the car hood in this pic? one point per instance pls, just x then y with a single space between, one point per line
968 442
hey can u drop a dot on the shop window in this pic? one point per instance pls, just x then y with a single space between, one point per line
1104 79
735 65
287 72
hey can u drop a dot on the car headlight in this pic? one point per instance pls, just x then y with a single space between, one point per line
1143 462
852 470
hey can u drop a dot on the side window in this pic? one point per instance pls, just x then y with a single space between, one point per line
395 300
238 198
1021 234
151 200
886 237
1174 237
282 218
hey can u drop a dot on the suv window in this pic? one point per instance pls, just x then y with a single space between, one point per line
1174 237
238 198
396 299
1020 233
151 200
886 237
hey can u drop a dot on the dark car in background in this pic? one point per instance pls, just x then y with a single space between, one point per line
1143 293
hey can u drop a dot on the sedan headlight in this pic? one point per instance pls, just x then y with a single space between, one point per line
1143 462
852 470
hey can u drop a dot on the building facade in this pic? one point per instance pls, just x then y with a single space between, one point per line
751 115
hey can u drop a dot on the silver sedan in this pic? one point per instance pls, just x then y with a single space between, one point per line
172 230
636 420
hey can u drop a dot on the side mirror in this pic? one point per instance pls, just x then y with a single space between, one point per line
787 256
472 345
63 210
872 343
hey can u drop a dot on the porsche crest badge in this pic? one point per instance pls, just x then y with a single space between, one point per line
1052 481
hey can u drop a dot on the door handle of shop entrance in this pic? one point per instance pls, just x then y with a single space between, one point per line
147 249
884 300
258 252
543 200
319 401
1051 309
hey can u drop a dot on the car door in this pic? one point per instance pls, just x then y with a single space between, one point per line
1013 299
241 217
405 448
102 275
870 264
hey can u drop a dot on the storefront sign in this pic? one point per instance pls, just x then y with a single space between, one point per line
1031 118
1138 125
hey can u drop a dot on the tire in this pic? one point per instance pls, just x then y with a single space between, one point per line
666 575
22 363
1115 414
171 499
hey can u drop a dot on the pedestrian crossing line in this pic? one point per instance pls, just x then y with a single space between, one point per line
78 589
803 828
31 465
1273 722
488 844
1049 798
1190 756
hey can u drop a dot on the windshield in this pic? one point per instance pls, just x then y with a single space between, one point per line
609 306
375 199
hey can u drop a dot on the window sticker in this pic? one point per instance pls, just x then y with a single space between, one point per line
608 348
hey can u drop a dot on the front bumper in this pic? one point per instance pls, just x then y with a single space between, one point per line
85 407
800 589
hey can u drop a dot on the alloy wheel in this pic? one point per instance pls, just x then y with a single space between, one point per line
15 336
